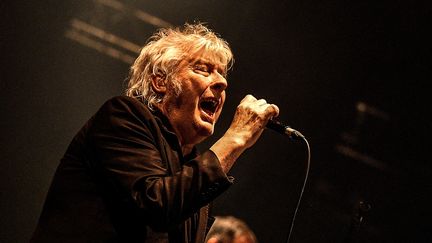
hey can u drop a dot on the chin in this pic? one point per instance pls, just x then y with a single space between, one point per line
206 129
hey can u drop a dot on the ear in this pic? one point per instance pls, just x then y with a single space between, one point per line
159 83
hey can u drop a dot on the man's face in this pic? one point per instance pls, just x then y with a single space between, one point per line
194 112
243 238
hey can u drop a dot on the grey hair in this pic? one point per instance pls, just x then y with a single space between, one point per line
226 228
165 50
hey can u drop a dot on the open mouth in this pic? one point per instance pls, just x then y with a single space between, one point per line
209 105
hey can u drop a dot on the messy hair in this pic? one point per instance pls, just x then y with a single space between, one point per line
226 228
163 53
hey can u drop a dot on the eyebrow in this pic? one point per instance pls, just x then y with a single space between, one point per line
201 61
221 69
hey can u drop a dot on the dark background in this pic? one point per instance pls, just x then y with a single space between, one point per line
350 75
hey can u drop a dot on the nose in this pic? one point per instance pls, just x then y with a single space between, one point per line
219 83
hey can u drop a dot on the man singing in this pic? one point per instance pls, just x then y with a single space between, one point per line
133 173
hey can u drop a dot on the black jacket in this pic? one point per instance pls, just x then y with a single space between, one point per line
124 178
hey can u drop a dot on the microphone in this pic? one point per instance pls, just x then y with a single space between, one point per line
284 130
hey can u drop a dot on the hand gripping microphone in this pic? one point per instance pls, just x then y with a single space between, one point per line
284 129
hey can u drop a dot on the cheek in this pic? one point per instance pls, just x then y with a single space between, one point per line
221 106
223 97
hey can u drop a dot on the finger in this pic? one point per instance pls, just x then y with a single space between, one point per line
261 102
272 110
248 98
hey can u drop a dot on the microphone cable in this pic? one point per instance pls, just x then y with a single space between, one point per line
302 189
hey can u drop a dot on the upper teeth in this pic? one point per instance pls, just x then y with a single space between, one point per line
213 102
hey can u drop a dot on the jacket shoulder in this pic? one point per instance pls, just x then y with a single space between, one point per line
125 104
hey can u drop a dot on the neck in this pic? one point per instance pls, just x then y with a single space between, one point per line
186 146
187 149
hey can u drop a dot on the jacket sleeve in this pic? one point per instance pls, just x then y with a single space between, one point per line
128 149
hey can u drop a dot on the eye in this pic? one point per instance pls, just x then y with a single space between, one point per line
201 68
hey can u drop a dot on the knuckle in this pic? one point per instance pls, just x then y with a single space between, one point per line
243 107
249 96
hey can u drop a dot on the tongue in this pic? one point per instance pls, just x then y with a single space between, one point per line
207 111
207 108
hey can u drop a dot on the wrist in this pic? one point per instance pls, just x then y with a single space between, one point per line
228 149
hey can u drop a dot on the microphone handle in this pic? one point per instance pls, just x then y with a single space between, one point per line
276 126
284 129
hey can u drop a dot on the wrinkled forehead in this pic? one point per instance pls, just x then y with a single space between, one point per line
212 53
207 57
